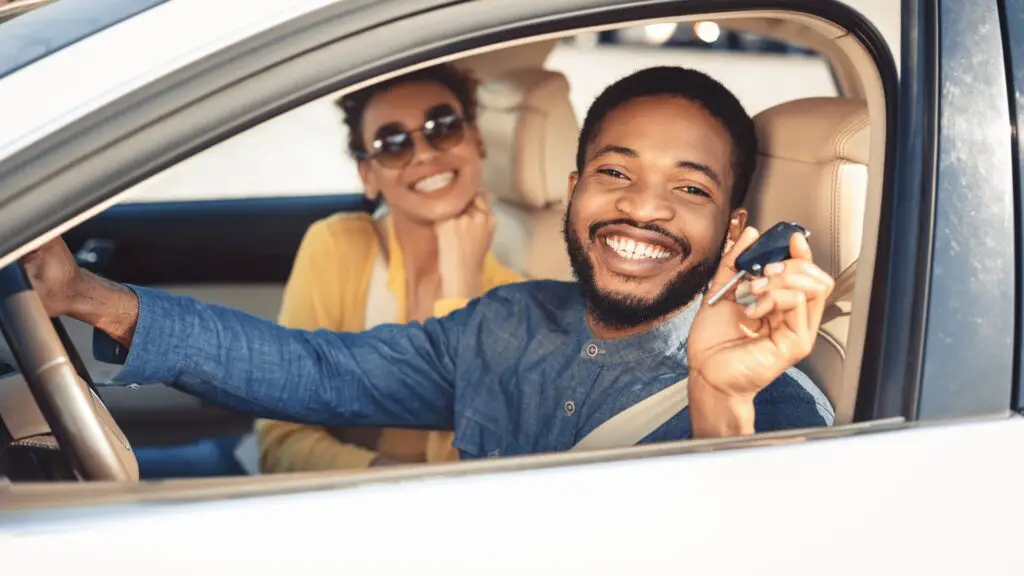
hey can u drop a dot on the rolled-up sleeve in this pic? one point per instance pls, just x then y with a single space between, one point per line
393 375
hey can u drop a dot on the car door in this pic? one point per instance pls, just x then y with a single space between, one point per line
941 345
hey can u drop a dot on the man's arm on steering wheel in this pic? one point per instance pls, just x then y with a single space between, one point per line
393 375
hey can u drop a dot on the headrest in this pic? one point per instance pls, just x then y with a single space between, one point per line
529 129
812 169
815 130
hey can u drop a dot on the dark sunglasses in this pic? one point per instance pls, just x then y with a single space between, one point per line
392 145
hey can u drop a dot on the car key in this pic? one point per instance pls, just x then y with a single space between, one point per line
772 246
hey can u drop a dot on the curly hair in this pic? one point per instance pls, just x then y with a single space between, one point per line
460 82
690 85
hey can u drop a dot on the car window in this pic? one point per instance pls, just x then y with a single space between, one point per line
47 29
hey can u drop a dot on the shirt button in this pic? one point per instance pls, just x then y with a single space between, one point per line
570 407
592 350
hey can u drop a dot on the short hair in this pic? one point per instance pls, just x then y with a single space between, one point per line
461 83
691 85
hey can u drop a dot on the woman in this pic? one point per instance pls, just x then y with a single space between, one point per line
420 153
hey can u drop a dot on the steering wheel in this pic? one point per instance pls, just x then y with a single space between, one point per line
84 429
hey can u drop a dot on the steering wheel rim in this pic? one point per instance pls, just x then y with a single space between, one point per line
85 432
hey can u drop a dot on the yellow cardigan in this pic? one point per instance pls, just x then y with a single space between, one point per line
328 288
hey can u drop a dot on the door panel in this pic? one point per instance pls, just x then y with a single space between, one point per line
236 253
245 241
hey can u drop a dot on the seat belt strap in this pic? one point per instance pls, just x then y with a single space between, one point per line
639 420
843 285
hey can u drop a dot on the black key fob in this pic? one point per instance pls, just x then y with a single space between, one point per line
772 246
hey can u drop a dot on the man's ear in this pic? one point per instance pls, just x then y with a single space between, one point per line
737 223
574 177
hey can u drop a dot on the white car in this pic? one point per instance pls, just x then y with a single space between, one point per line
906 165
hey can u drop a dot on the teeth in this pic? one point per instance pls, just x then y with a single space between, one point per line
633 250
434 183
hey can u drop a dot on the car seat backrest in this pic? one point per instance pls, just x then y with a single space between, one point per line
529 130
812 169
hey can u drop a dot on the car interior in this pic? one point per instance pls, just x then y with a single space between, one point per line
820 164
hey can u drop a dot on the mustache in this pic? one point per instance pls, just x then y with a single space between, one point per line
684 245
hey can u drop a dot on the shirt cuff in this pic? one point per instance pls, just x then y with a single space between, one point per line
153 357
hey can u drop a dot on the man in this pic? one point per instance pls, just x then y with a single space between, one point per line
664 161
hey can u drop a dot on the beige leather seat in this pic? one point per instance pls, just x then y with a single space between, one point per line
530 131
812 169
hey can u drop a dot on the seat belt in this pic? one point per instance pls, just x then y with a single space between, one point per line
641 419
638 421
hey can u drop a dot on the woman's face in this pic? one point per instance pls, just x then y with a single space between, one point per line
432 176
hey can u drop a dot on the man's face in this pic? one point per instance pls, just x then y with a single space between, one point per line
650 213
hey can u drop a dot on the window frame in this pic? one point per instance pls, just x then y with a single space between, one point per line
260 76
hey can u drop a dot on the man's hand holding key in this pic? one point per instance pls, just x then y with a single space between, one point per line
735 350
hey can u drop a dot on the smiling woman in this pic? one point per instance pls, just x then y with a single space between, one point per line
419 151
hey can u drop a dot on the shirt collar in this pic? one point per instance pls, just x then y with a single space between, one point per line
668 336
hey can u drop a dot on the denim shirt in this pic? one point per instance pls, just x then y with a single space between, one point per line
516 371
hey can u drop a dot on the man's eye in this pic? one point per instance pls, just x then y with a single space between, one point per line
694 190
611 172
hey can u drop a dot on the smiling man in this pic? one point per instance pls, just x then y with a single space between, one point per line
664 161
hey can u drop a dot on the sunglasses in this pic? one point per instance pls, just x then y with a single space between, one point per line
392 145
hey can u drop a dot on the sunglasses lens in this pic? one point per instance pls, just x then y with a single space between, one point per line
443 128
392 148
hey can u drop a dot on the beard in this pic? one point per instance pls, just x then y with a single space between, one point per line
622 310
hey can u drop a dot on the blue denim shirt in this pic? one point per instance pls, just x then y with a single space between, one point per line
516 371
